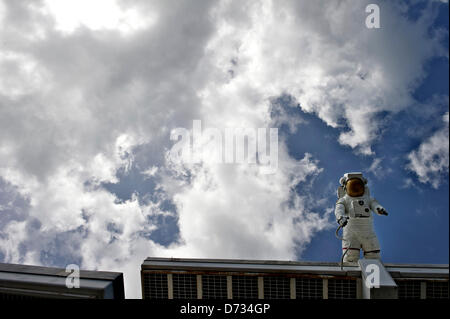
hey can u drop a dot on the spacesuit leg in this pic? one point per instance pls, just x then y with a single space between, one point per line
371 246
351 250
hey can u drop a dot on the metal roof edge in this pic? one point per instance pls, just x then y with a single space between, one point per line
242 261
58 272
280 262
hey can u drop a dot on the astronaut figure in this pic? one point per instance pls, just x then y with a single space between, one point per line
353 213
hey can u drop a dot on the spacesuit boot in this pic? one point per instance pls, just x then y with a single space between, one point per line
351 257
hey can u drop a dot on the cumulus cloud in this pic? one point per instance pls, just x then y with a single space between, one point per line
430 160
377 169
325 57
99 15
84 98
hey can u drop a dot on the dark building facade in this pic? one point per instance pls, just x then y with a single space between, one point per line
174 278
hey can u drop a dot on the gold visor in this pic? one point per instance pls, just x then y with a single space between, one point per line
355 187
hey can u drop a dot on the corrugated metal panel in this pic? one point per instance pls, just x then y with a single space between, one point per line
277 288
408 289
184 286
341 288
214 286
155 286
274 277
309 288
437 289
245 287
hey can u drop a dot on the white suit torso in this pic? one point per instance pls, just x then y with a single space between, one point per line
360 219
358 211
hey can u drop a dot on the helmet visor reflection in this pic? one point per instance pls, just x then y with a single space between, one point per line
355 187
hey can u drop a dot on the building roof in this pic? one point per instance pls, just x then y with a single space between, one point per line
323 268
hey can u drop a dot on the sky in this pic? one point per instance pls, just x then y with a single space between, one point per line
90 93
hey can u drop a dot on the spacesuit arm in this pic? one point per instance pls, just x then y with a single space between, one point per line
376 207
339 210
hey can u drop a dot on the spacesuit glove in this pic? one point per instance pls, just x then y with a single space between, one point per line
382 211
343 221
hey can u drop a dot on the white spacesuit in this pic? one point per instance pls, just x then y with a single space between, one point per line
353 214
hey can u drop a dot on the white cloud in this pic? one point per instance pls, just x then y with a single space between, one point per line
377 169
76 102
324 57
430 160
97 15
25 76
231 210
150 172
2 12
